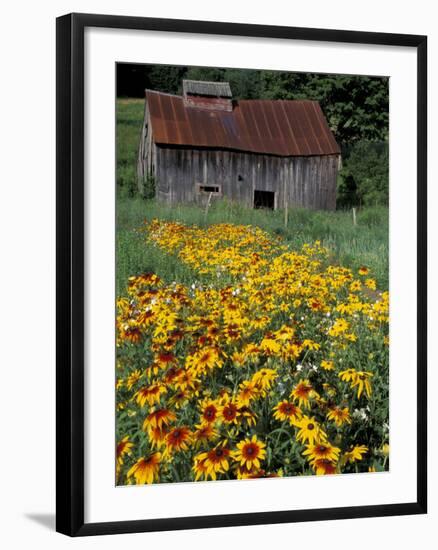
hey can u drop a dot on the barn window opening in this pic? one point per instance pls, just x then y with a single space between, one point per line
207 189
264 199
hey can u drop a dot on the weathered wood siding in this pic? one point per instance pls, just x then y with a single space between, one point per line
146 153
300 181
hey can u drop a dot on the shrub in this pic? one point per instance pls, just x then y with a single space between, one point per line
363 179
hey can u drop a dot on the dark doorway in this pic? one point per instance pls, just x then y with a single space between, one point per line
264 199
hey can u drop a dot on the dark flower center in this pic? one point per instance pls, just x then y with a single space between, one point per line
310 426
210 412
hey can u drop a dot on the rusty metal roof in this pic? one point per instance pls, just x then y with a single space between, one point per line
274 127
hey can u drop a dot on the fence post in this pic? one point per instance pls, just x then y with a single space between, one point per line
354 216
207 207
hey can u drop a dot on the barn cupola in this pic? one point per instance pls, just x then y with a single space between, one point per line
212 96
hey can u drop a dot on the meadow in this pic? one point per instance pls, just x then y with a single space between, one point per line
247 348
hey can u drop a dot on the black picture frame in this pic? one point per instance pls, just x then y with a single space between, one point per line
70 273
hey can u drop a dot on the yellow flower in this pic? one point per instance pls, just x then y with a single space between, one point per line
362 382
158 419
150 394
133 378
310 431
355 453
264 378
248 391
327 365
348 375
123 448
178 439
287 411
146 469
215 461
250 452
371 284
339 327
385 449
210 411
303 392
324 466
339 416
321 451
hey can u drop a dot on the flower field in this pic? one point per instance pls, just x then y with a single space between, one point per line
272 362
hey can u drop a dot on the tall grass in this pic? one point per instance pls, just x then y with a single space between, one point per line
351 245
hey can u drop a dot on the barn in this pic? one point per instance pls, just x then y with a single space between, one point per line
204 145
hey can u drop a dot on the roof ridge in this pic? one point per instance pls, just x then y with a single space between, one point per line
162 93
149 90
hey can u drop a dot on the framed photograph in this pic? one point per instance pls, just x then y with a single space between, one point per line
241 274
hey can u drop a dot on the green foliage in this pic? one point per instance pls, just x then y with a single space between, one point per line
364 176
149 185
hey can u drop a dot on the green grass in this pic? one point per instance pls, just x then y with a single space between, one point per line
129 122
352 246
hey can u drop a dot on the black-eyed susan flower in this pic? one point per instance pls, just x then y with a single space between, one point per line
178 439
355 453
320 451
303 392
186 380
165 359
204 361
229 412
362 382
339 416
200 468
159 418
285 410
250 452
157 436
180 398
150 394
133 378
348 375
248 391
124 447
327 365
146 469
216 460
264 378
371 284
339 327
210 410
205 433
323 466
310 431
